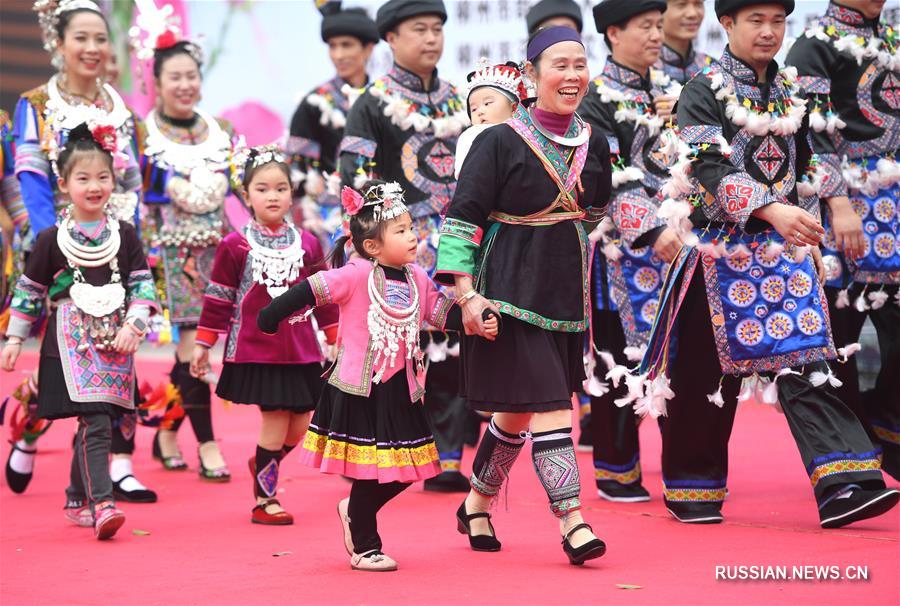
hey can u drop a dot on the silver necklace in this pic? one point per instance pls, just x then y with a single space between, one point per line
275 268
96 301
391 326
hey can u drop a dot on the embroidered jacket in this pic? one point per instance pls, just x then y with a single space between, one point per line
47 274
849 69
233 299
10 196
747 143
515 221
13 211
621 108
38 108
317 126
862 88
399 131
681 69
737 171
186 171
347 287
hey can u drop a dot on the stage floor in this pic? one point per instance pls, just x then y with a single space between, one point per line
197 545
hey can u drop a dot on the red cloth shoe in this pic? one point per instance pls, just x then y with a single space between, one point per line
261 516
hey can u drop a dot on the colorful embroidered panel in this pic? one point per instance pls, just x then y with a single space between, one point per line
768 310
635 282
91 375
880 263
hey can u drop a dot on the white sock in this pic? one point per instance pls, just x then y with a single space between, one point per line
22 462
121 467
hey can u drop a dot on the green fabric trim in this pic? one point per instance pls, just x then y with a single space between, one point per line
456 255
64 280
539 320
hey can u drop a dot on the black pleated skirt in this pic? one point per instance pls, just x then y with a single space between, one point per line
293 387
526 369
383 437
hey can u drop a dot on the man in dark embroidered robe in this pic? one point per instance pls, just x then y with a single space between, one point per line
679 59
630 104
853 98
744 297
318 123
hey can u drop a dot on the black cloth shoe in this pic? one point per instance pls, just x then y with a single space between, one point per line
622 493
18 482
134 496
860 505
448 481
696 513
480 542
593 549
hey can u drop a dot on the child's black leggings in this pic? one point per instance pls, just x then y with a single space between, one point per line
367 497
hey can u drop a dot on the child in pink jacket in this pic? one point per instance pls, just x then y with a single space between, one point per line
368 425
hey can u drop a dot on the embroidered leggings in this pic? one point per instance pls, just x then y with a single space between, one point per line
89 479
367 497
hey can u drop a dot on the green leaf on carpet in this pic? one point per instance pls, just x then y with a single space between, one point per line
140 533
625 586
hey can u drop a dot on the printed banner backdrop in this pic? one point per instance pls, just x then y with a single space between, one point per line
268 53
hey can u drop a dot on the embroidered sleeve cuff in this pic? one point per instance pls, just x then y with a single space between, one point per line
301 146
206 337
358 145
221 292
31 158
457 250
28 297
320 289
438 315
634 215
738 195
829 177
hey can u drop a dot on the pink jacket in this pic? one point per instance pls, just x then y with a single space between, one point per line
347 287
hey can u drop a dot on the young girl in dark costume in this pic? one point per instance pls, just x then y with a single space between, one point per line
93 269
281 373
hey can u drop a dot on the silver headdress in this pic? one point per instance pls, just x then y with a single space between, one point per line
49 12
387 198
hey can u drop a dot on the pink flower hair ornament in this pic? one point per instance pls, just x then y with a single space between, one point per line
351 200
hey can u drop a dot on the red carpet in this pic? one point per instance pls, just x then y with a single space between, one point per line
202 549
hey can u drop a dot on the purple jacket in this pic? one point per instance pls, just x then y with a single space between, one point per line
233 300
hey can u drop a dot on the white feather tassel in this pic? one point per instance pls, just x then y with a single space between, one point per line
843 299
847 351
716 398
612 252
878 299
634 354
818 378
616 373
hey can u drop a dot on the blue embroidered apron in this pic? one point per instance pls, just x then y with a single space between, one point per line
635 282
880 263
766 313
